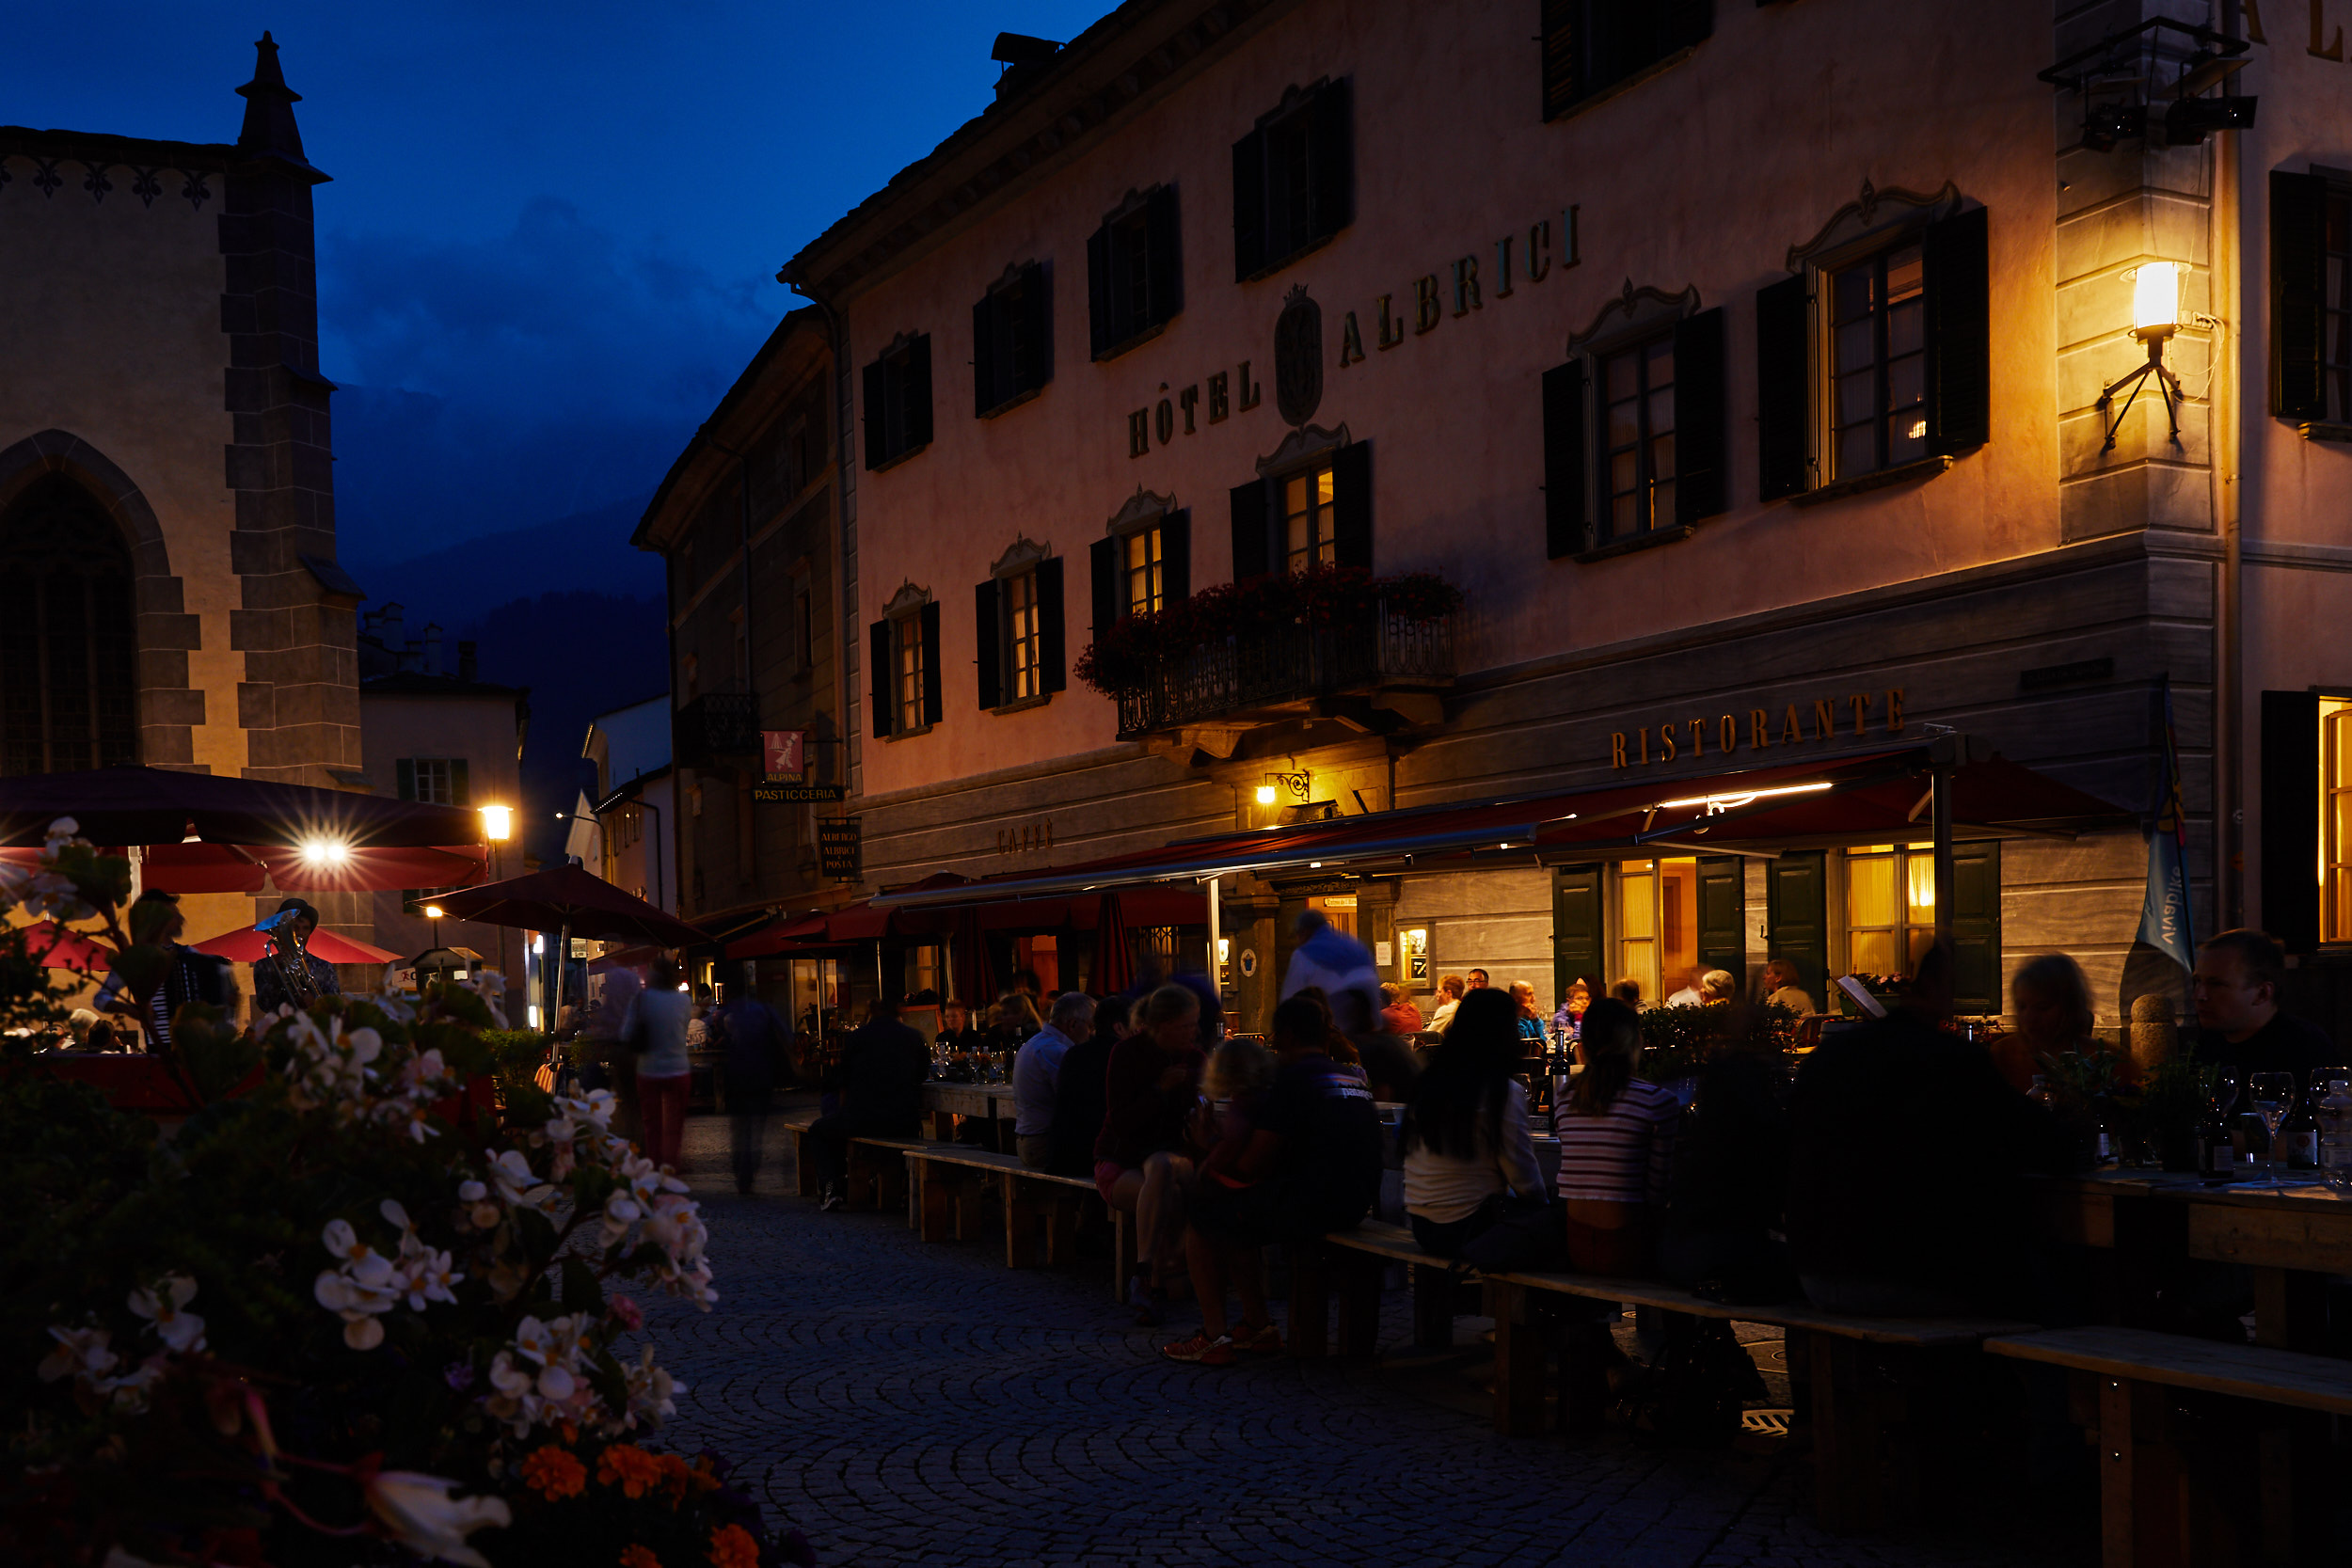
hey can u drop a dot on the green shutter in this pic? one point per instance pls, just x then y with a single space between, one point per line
1977 928
460 789
2289 796
404 778
1723 914
1796 919
1576 929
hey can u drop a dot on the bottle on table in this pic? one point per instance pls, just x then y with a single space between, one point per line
2297 1146
2335 1134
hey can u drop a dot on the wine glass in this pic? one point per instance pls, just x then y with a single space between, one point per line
2272 1095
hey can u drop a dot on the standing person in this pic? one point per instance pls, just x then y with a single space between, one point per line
1450 989
1616 1146
1340 967
1466 1138
1078 1090
1143 1164
270 991
1037 1076
881 1075
2239 1023
1781 989
188 974
750 1039
655 1029
613 1067
1312 1165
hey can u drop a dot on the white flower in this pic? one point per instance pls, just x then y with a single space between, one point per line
652 1392
426 1276
63 831
420 1513
81 1353
181 1331
516 1183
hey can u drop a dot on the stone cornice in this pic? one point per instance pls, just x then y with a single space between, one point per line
1130 58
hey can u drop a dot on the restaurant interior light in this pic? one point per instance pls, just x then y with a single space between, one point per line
1265 795
2156 300
1732 802
498 823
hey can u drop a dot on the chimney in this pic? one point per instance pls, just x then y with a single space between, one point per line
466 660
1023 58
388 626
433 648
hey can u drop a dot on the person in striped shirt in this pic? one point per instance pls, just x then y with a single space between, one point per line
1617 1148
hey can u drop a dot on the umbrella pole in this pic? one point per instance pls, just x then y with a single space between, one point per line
878 970
562 962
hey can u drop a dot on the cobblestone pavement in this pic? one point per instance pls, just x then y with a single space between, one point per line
905 1403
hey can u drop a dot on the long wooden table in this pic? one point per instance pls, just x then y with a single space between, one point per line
2293 1238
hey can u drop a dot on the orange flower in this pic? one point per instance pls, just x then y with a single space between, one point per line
639 1556
676 1477
732 1547
629 1466
554 1474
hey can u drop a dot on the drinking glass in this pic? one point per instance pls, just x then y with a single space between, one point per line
2272 1095
2222 1095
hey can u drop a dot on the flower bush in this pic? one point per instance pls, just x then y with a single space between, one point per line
337 1319
1122 658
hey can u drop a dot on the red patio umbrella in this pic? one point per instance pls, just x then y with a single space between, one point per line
570 902
975 984
247 946
1114 961
55 946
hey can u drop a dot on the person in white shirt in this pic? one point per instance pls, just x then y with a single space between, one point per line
1466 1139
1449 998
1691 995
1037 1075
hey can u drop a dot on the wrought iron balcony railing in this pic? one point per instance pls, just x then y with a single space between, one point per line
1287 667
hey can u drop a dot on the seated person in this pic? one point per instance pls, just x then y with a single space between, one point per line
1466 1139
1398 1013
1729 1183
2238 1019
1450 992
1312 1165
1616 1137
1143 1157
1078 1092
1781 989
1239 1073
880 1078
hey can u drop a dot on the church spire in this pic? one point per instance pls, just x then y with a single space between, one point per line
269 119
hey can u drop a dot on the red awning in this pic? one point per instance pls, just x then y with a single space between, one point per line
200 867
989 910
1861 798
245 946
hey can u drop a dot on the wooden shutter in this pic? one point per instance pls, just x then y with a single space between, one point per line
1977 928
1576 934
931 708
1959 332
877 423
1099 312
1110 602
918 382
988 634
879 682
1036 313
2290 819
1176 556
1249 205
1163 260
1784 390
1330 159
1796 918
986 394
1561 37
2298 292
460 783
1351 505
1252 549
1564 459
1722 906
404 778
1053 637
1701 483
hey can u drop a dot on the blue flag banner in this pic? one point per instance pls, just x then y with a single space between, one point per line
2164 912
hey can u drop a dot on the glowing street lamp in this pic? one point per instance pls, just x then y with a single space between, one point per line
433 912
2156 316
498 823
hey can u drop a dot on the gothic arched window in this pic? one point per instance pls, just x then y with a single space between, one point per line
68 645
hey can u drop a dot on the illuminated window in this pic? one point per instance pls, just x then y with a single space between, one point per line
1638 436
1890 907
2335 828
1309 531
1637 925
907 633
1146 577
1413 942
1878 360
1024 644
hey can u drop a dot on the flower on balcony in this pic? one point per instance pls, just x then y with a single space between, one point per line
1123 658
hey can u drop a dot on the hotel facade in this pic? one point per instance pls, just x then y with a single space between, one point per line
1781 392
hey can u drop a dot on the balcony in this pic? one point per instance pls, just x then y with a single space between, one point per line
1378 658
715 730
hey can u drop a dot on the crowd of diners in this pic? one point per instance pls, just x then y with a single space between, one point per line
1763 1185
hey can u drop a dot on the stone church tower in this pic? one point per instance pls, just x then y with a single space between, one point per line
169 588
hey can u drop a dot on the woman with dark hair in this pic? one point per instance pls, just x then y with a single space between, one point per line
1143 1158
1466 1139
1616 1147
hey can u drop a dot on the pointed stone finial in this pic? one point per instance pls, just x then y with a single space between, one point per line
269 118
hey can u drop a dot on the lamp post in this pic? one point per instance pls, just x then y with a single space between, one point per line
433 912
498 826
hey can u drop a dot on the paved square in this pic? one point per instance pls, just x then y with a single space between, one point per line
905 1403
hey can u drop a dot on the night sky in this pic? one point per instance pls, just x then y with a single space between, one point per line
549 246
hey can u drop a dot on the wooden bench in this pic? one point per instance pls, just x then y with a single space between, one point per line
1872 1381
948 1184
804 1178
2157 1509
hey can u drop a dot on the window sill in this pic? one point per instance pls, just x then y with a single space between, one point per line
909 735
2320 430
1672 533
896 458
1029 395
1270 268
1904 473
1021 705
1623 84
1135 341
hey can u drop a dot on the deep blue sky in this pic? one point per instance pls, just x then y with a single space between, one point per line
553 230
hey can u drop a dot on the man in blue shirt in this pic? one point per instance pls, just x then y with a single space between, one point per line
1037 1075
